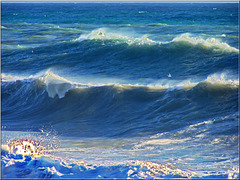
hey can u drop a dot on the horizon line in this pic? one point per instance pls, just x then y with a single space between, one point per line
119 1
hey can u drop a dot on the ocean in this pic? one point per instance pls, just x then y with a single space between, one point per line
120 90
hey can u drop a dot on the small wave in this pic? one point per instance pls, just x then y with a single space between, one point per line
158 24
141 12
153 142
60 28
11 47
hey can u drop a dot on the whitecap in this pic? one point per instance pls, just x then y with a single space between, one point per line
216 44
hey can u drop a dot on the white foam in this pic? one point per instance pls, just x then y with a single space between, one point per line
56 85
10 77
156 168
222 79
201 123
59 86
207 43
24 147
106 34
136 39
101 34
154 142
5 77
53 171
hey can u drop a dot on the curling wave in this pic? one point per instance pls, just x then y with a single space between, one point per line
59 86
56 85
78 106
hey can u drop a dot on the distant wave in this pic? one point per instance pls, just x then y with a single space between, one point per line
158 24
104 34
108 36
186 38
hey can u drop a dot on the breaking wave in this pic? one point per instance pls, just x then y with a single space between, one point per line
19 164
62 102
46 167
209 43
183 39
58 86
138 91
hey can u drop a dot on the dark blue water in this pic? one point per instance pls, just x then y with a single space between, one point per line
120 90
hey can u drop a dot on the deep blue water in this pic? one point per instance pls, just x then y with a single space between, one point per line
120 90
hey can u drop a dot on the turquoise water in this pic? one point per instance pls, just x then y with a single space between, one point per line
120 90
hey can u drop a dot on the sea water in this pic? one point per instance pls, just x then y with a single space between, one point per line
120 90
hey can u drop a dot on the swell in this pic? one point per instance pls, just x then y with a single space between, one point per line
52 101
193 54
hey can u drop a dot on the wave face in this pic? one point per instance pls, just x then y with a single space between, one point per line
59 98
112 90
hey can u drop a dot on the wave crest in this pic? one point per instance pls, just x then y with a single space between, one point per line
207 43
56 85
106 34
25 147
